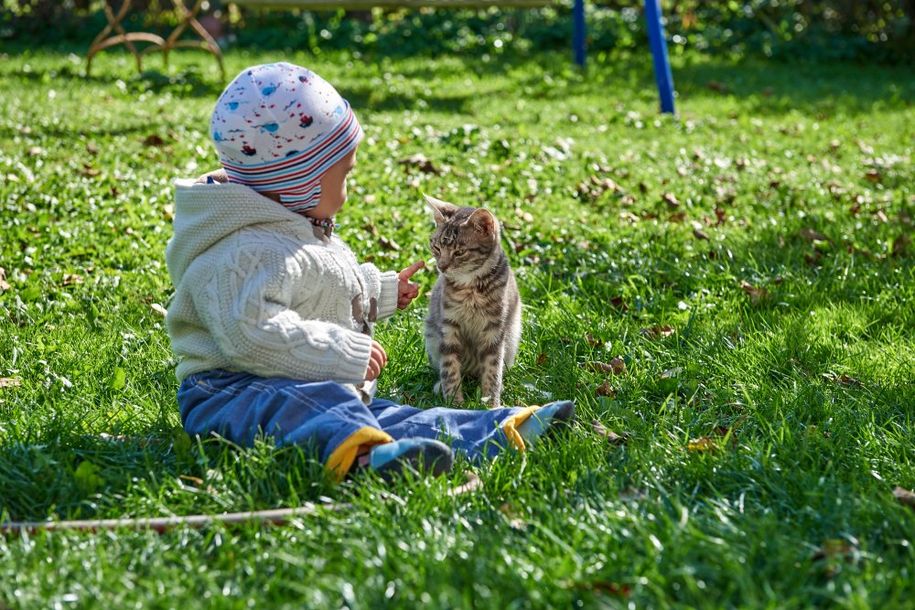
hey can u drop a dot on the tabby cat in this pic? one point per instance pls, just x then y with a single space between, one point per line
474 322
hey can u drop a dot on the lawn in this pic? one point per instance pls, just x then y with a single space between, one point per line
749 263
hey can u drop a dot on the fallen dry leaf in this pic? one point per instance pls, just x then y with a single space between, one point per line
3 284
89 171
605 389
420 162
701 444
812 235
513 515
36 151
191 479
71 279
842 379
159 309
873 175
592 188
153 139
612 437
904 496
168 211
91 148
834 547
756 293
700 234
671 200
618 302
617 366
654 332
592 340
10 382
604 587
388 244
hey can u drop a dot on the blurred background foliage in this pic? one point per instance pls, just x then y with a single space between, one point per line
791 30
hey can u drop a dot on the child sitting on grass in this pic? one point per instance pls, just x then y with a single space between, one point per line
272 315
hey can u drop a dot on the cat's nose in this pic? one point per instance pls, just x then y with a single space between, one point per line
442 265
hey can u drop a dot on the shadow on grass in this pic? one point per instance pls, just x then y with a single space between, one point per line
88 476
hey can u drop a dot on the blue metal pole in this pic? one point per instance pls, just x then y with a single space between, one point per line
578 32
659 54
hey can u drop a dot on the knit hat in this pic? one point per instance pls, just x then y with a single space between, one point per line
279 127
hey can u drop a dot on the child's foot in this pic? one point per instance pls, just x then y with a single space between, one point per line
546 419
417 454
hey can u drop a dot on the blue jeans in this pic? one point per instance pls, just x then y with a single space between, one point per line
332 419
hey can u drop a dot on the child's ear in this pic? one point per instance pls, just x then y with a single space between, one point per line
483 222
441 210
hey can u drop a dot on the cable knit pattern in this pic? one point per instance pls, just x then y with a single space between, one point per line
258 290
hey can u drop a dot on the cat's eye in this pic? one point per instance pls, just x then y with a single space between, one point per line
459 252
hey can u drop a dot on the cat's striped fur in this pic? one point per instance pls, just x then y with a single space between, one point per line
474 322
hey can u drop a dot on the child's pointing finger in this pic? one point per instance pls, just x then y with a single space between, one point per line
407 273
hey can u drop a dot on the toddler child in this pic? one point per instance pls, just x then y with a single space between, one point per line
272 315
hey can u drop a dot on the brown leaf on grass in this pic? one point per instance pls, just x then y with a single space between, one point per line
900 244
388 244
36 151
191 479
677 217
592 188
91 148
159 309
89 171
153 139
717 86
168 211
843 379
756 293
4 286
617 366
654 332
873 175
592 340
420 162
904 496
541 359
881 216
612 437
671 200
618 302
604 587
834 547
513 516
605 389
698 233
701 445
10 382
720 216
70 279
812 235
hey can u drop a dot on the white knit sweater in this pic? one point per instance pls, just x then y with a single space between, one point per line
259 289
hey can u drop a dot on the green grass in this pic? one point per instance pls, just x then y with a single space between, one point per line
812 170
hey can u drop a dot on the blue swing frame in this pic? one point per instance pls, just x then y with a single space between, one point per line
656 41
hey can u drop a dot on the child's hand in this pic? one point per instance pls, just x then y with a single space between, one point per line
407 290
377 361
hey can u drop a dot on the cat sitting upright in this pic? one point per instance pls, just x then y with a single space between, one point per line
474 322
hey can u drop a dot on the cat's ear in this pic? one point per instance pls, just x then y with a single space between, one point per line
441 210
483 222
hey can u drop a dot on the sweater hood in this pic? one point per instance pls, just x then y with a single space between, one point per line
207 213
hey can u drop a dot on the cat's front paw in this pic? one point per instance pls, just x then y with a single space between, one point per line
492 402
456 396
